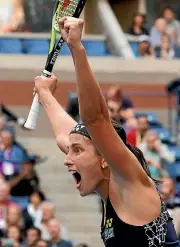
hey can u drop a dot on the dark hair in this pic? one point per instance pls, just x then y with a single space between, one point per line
136 151
40 194
168 8
35 229
138 14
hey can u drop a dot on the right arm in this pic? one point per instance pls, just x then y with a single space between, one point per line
61 122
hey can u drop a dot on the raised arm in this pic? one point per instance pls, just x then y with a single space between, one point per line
94 112
60 121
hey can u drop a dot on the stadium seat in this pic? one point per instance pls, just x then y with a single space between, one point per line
176 151
65 50
173 170
36 47
13 46
95 48
177 52
164 135
134 45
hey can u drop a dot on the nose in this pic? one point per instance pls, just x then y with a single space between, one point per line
68 161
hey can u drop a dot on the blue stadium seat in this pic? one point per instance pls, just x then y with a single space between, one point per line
164 135
65 50
176 150
173 170
12 46
134 45
95 48
35 46
177 52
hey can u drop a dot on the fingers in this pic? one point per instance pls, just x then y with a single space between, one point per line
70 22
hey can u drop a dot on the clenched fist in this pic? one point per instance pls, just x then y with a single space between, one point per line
71 30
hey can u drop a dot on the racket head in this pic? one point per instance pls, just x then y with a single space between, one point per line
65 8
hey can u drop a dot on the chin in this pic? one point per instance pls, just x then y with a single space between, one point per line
85 193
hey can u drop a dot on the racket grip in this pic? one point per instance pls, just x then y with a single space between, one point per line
33 114
35 108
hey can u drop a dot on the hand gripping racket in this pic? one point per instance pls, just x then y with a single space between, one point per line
62 8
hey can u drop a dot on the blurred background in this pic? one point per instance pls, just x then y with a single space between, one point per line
134 50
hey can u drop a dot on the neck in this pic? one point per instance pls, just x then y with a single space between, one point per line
103 189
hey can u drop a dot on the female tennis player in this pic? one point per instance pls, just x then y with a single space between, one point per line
101 161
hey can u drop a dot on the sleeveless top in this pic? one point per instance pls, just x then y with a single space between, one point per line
158 233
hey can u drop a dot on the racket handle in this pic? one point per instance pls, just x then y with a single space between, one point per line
31 121
33 114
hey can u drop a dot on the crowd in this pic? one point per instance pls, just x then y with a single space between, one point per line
161 39
27 217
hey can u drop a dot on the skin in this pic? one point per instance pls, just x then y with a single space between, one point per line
112 171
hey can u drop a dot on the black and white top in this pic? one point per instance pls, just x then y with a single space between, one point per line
158 233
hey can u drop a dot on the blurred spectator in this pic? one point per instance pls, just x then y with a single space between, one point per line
5 203
138 23
33 213
14 217
135 136
172 200
114 110
42 243
145 50
33 235
29 16
156 153
6 8
24 184
48 213
129 120
154 149
14 233
157 31
11 154
54 229
166 52
173 25
115 94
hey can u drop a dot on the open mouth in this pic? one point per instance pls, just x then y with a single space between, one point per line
77 178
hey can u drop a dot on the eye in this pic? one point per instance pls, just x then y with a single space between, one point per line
77 150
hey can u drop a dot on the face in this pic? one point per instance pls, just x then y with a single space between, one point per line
54 228
35 199
161 25
139 20
14 233
114 109
47 212
84 163
6 139
151 140
144 45
28 167
4 192
32 236
168 15
142 124
13 215
42 243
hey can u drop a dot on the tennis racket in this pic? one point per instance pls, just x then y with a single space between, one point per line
62 8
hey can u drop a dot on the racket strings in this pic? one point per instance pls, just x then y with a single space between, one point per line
65 8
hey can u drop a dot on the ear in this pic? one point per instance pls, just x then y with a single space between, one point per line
103 163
